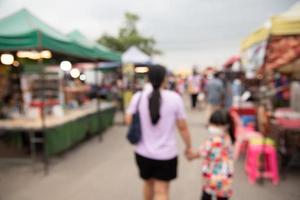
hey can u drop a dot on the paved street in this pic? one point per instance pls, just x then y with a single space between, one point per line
106 170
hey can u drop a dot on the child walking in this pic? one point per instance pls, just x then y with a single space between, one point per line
217 155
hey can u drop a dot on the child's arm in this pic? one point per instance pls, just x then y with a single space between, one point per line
202 151
194 154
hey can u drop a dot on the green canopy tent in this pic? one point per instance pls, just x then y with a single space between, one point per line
100 51
24 31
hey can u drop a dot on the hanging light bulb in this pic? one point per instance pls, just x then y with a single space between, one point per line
34 55
23 54
141 70
46 54
16 64
7 59
82 77
66 65
75 73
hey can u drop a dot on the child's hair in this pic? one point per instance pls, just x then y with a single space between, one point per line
223 118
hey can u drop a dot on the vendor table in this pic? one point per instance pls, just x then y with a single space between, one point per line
249 110
286 132
60 133
41 104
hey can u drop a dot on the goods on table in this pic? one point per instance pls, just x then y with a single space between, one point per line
282 50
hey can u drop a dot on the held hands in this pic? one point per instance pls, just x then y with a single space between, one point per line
191 154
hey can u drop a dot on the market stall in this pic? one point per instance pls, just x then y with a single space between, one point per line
34 50
135 66
273 52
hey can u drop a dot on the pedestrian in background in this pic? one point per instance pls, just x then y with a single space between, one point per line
156 153
194 88
180 85
237 90
215 94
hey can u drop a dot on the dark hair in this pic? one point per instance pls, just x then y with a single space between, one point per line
195 72
217 74
156 75
223 118
8 98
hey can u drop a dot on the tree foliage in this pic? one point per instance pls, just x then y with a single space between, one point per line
128 36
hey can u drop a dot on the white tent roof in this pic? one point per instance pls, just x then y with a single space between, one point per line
135 55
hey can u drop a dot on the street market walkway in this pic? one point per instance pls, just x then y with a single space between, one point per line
105 170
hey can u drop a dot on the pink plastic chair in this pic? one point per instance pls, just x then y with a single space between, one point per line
256 148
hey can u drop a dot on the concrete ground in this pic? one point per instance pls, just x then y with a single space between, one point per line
106 170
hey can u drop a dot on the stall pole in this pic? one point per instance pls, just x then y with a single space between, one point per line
262 158
97 84
43 118
97 97
123 89
43 114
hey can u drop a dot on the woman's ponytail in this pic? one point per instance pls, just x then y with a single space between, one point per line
154 106
157 75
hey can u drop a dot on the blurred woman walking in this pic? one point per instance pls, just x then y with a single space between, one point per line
156 153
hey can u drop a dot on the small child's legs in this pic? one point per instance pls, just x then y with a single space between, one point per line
206 196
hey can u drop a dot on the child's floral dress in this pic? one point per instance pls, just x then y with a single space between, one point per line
217 168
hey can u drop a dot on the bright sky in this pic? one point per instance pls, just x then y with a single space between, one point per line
189 32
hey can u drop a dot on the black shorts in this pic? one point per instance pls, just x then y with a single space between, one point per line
164 170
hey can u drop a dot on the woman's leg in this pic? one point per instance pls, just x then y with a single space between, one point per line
206 196
208 112
149 189
194 100
222 198
161 190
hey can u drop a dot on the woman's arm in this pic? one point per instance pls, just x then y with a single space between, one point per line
185 135
128 119
132 108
